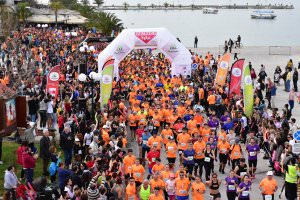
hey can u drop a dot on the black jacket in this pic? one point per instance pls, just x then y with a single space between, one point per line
44 147
66 140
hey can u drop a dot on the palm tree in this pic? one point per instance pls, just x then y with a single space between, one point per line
56 5
23 11
139 5
152 5
99 2
106 22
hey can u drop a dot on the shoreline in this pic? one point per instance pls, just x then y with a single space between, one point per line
167 6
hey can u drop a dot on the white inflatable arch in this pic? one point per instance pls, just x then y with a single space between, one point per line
159 38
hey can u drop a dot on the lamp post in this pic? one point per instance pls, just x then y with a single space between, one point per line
93 77
86 50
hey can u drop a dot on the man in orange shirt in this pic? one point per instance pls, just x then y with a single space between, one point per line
192 123
166 134
223 148
155 140
158 166
199 148
138 172
183 139
182 187
268 186
132 118
156 195
211 99
198 189
171 150
156 182
128 161
131 190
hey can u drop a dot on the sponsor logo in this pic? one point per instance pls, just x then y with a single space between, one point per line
106 79
173 48
236 72
119 50
248 80
146 37
224 65
54 76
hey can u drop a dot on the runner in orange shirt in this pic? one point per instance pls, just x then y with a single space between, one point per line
138 172
131 190
223 147
171 150
155 140
182 187
156 195
236 153
156 182
166 133
128 161
158 166
199 147
183 139
132 118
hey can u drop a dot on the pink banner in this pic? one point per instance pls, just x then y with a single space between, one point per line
53 79
236 78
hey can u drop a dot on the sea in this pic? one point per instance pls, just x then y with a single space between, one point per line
213 29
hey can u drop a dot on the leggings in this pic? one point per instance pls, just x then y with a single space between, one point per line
208 169
231 195
200 164
43 119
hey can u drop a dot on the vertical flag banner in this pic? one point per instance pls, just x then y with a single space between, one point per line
236 78
248 92
107 79
222 70
53 79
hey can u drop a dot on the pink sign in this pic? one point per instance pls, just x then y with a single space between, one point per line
146 37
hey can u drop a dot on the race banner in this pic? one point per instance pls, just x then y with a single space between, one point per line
107 79
248 92
53 79
236 78
222 70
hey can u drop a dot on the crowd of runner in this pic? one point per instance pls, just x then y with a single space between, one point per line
160 136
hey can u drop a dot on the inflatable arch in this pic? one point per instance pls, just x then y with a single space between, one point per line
159 38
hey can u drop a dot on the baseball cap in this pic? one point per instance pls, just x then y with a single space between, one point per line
269 173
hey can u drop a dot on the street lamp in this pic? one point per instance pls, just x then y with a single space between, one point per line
93 77
86 50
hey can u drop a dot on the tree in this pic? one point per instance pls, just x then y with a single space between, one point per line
139 5
166 4
23 11
99 2
85 2
8 20
56 5
106 22
152 5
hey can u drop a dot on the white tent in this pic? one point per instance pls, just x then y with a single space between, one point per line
159 38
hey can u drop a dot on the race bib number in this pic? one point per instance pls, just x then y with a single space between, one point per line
236 153
190 158
183 144
145 142
153 159
131 198
137 174
245 193
268 197
155 143
199 154
223 150
231 187
253 153
182 191
243 173
207 159
211 197
170 148
180 152
79 152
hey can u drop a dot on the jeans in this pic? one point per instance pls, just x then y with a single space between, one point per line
33 117
288 85
43 119
291 103
68 156
29 175
199 164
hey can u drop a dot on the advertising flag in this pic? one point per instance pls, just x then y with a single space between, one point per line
236 78
248 92
53 79
222 70
107 79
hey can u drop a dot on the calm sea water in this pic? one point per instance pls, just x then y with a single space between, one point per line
213 30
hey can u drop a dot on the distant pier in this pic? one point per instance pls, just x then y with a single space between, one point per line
167 6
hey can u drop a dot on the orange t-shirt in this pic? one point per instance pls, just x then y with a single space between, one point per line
198 190
128 162
157 183
156 168
183 140
223 147
171 149
268 186
155 141
138 172
166 133
199 149
211 99
182 186
131 192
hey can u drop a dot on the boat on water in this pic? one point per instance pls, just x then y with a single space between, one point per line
263 14
210 11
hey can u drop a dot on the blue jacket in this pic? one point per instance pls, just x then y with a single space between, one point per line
63 174
145 137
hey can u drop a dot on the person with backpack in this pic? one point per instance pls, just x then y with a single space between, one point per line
291 179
